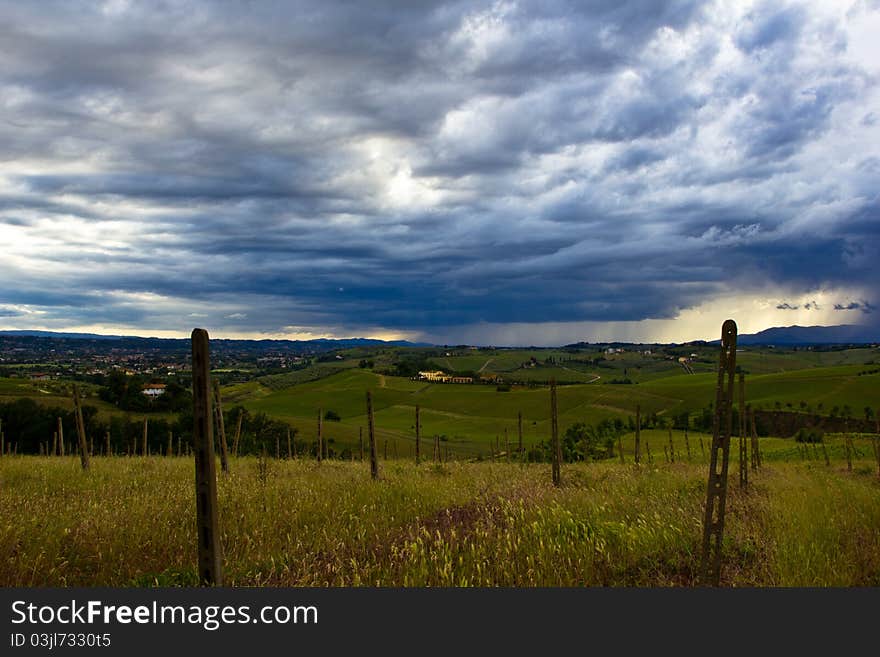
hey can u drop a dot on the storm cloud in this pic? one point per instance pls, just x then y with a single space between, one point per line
421 169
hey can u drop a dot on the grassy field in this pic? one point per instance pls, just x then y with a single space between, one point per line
471 416
131 522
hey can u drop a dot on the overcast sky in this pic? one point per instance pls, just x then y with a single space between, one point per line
494 173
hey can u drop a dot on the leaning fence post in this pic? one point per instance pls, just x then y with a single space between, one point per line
716 494
224 452
371 431
210 554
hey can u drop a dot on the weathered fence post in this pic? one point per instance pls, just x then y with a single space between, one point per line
144 443
671 448
80 430
418 436
743 445
756 455
218 404
648 452
107 444
877 451
848 446
210 551
237 433
638 448
687 444
320 435
54 443
716 494
554 433
371 431
60 437
519 432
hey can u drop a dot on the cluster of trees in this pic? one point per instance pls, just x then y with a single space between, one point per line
585 442
126 392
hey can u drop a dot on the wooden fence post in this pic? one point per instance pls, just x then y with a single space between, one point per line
371 431
671 448
638 451
418 436
554 432
519 432
289 445
209 548
320 435
218 404
743 444
60 437
687 444
361 441
144 443
237 433
80 430
107 444
716 493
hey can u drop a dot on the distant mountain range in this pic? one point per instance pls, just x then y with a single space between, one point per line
805 335
781 335
320 344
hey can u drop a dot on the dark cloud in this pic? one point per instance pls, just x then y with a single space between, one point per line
418 166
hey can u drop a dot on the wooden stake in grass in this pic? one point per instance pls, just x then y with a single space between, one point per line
169 450
743 445
847 446
620 448
671 448
237 433
877 452
638 451
361 441
60 437
107 444
277 447
371 431
702 449
218 405
209 548
648 452
519 432
554 433
825 453
716 493
320 435
144 442
756 456
80 430
418 436
54 444
687 444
